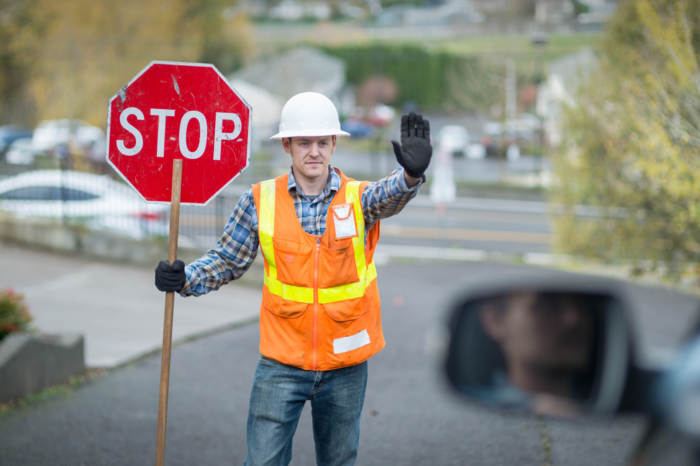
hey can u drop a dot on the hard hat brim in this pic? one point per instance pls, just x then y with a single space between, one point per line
311 134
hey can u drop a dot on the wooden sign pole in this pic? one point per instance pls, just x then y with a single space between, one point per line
168 322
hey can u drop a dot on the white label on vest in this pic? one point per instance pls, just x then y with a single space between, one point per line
344 221
343 345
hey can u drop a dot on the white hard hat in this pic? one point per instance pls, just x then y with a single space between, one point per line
309 114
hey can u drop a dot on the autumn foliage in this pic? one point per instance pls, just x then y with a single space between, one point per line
66 59
632 145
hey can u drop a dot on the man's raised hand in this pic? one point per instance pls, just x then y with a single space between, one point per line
415 151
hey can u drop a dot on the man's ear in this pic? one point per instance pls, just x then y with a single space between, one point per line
334 141
287 145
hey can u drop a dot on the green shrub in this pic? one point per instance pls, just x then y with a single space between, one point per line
434 79
14 314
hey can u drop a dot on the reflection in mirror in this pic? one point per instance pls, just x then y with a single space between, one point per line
533 350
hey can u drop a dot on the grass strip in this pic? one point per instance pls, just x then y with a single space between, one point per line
64 387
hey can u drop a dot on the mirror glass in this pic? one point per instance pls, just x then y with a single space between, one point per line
534 350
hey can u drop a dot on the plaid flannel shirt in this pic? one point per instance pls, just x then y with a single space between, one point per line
238 246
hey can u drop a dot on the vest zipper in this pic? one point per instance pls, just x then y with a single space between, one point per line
315 334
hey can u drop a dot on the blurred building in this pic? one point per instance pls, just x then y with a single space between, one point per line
597 14
559 90
554 11
266 111
298 70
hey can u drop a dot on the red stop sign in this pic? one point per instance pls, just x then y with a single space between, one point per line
185 111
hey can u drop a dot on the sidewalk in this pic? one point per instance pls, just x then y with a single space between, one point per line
128 321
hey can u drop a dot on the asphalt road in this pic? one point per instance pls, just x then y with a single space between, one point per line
408 419
509 227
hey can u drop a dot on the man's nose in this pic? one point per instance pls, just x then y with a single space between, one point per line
571 316
315 150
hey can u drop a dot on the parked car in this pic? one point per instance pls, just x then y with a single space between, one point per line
492 137
476 151
9 134
22 152
454 138
50 134
96 201
565 349
357 128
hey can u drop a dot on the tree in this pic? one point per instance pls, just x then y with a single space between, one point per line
71 56
22 27
633 144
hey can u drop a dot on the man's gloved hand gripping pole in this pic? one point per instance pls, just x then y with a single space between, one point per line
415 151
170 277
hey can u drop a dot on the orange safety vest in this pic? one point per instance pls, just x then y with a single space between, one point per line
320 308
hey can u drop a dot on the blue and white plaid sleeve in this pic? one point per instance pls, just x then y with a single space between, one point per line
387 197
233 254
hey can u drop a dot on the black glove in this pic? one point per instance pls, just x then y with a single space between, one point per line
170 277
415 150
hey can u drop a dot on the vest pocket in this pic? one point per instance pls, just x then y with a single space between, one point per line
283 307
338 266
349 309
295 264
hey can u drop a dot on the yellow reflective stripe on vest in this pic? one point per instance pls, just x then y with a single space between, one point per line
358 242
290 292
266 224
351 291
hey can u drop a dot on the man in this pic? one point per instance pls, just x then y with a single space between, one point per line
320 316
547 340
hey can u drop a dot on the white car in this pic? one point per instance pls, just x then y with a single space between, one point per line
21 152
52 133
454 138
95 201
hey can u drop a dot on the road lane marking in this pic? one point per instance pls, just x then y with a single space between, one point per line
385 252
497 217
465 235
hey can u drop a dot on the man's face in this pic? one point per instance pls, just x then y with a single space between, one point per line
310 155
548 331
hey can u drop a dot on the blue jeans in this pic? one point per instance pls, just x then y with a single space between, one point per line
278 396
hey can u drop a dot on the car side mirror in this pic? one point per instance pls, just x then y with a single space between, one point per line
550 349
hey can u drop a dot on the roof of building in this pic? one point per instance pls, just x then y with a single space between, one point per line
298 70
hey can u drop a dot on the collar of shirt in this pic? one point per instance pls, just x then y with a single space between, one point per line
333 185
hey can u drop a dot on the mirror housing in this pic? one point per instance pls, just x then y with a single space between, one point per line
559 347
678 393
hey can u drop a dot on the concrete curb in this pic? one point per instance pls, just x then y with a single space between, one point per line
182 341
30 362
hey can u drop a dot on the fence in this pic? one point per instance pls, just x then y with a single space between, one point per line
91 195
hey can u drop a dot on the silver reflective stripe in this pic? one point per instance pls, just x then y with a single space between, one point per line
343 345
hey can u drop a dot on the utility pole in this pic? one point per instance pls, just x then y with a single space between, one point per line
539 40
511 106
